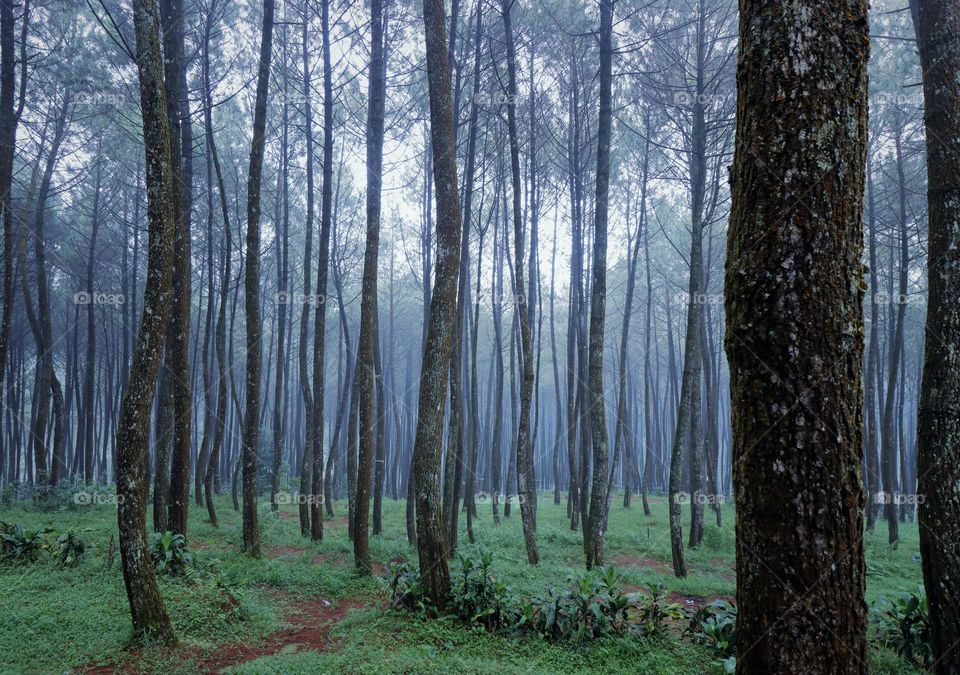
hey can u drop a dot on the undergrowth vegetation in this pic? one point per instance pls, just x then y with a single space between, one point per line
63 586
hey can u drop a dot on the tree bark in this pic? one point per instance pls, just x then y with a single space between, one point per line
794 300
150 620
181 160
593 528
320 318
368 302
251 422
938 465
431 544
527 489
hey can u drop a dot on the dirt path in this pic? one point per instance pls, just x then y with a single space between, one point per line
309 623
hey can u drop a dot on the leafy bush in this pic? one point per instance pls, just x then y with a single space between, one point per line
19 544
407 590
594 607
655 610
904 626
169 553
714 625
70 549
477 597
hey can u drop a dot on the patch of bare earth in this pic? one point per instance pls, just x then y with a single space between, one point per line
643 562
308 629
284 551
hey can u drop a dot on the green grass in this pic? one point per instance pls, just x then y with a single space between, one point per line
56 619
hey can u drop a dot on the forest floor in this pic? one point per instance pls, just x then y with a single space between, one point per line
301 607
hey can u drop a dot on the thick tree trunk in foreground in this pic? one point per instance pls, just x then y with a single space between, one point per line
594 525
368 302
150 620
794 299
431 543
938 33
251 422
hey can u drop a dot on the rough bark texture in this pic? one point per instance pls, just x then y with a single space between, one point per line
368 303
178 332
149 616
593 528
794 299
251 422
306 459
8 132
220 341
938 32
320 318
527 488
431 543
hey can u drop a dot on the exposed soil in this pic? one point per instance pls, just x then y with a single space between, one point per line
643 562
309 623
284 551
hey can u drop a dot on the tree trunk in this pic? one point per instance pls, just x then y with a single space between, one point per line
320 318
181 160
306 458
593 528
368 303
938 465
150 620
251 422
431 544
794 300
527 489
8 139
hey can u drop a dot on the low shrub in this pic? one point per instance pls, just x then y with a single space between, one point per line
19 544
593 606
714 625
655 610
70 549
169 553
903 625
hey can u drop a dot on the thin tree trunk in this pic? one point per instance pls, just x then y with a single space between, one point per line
593 530
251 432
368 303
